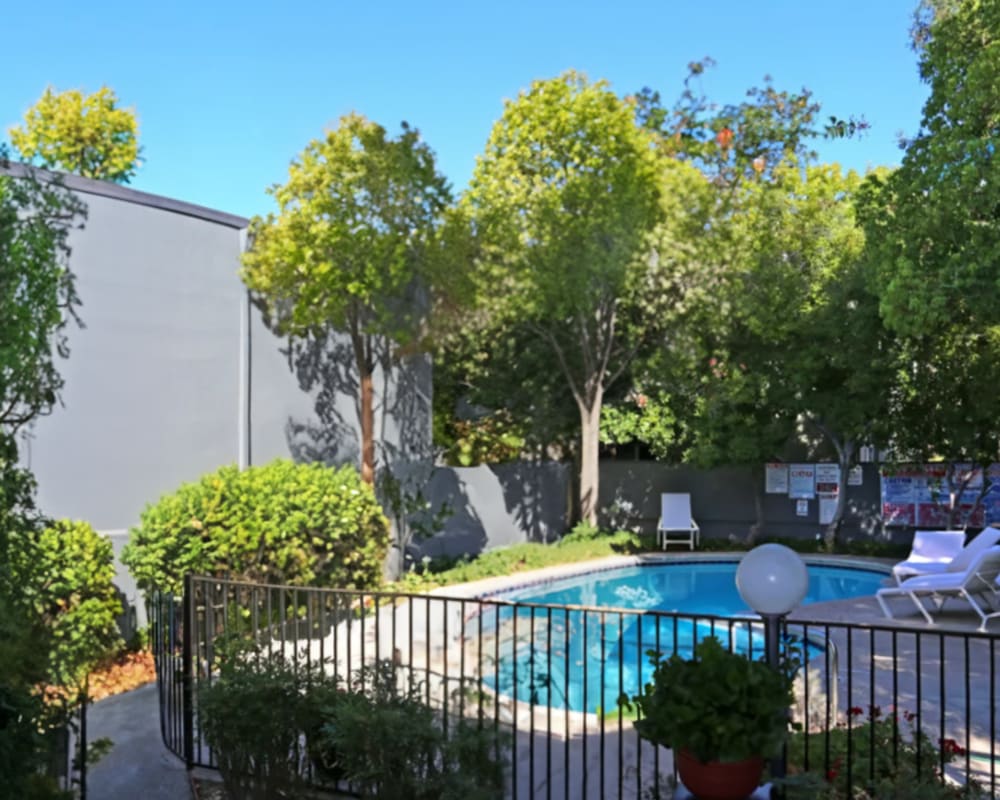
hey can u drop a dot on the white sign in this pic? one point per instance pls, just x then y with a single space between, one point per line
802 481
827 508
827 475
855 477
776 478
802 508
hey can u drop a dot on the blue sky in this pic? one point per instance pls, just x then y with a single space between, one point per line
228 93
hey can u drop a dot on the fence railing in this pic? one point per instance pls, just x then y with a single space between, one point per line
550 677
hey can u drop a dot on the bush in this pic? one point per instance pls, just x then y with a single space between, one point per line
390 745
24 720
251 717
65 574
278 523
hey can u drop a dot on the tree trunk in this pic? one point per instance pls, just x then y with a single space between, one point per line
758 503
367 413
590 426
845 454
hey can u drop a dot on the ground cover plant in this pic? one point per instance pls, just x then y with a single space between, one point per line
891 758
277 523
582 544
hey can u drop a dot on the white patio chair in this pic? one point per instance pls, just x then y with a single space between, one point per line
924 562
934 548
977 585
676 524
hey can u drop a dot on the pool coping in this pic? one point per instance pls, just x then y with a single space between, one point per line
854 611
490 587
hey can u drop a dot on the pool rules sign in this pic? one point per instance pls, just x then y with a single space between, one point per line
827 488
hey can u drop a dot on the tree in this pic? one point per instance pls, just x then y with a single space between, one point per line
777 240
350 250
37 302
88 135
933 231
936 239
802 343
563 203
37 294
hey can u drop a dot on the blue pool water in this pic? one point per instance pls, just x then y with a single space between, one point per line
584 660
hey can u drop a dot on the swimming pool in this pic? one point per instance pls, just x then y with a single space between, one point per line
582 659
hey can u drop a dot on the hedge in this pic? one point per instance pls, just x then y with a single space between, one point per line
299 524
65 574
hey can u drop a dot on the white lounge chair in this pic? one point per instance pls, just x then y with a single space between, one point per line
924 562
934 548
977 585
676 523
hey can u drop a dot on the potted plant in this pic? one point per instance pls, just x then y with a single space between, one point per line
721 713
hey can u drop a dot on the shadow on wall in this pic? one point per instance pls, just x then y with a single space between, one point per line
536 497
497 506
464 531
323 366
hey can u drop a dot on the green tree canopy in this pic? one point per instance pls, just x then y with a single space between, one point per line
933 229
38 296
37 301
350 250
87 134
937 240
563 204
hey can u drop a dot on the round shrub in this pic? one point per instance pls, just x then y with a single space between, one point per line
65 574
277 523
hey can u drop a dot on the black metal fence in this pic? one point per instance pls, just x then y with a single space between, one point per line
550 677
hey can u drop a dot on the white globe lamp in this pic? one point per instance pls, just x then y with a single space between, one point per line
772 579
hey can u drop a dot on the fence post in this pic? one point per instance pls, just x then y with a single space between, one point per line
187 657
83 739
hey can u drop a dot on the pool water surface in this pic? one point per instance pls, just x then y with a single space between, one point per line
579 659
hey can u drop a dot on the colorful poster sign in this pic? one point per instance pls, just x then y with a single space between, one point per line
920 495
776 478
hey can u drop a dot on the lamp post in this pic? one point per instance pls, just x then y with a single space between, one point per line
772 579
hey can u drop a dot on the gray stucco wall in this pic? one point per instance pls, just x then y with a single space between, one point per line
722 500
152 384
504 504
174 373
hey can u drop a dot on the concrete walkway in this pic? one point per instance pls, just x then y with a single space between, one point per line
139 765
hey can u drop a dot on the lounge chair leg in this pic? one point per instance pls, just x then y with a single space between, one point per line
923 610
885 606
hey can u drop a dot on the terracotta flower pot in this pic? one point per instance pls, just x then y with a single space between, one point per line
719 780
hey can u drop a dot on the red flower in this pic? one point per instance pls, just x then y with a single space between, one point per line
724 138
952 748
855 711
